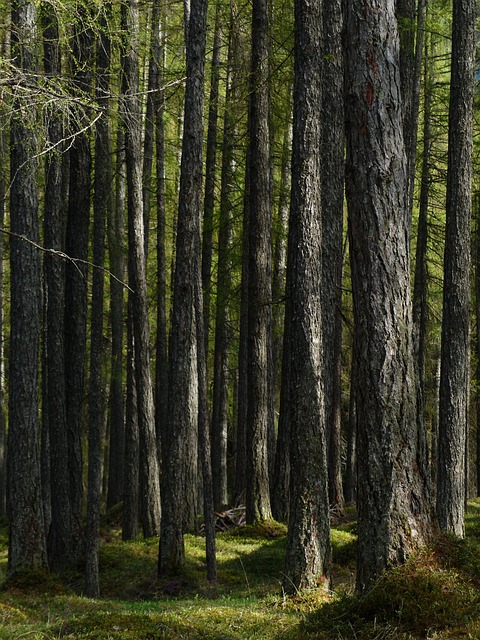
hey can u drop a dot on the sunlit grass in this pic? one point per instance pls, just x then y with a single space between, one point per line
434 595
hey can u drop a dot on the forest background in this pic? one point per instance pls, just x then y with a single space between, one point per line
154 314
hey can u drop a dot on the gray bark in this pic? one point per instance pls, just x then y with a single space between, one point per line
149 472
259 356
102 206
393 515
308 553
180 474
333 146
455 348
27 542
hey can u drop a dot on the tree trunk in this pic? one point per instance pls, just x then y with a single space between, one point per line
259 357
76 285
149 472
27 543
3 418
179 474
393 511
116 253
102 207
455 356
308 553
61 538
333 146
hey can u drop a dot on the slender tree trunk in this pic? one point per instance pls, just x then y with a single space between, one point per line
259 357
102 206
350 463
210 178
476 212
27 542
308 553
333 146
76 285
392 499
3 417
455 355
149 472
116 253
61 538
179 474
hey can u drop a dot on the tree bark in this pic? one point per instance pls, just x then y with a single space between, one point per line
455 349
392 499
180 474
333 178
27 542
308 553
102 206
259 357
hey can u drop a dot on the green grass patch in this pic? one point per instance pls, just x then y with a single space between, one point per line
436 594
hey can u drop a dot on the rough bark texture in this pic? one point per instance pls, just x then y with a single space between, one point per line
259 274
179 474
3 417
222 320
116 253
61 538
333 147
308 553
392 503
454 376
149 472
102 205
27 543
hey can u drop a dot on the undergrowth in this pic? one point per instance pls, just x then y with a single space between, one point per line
436 594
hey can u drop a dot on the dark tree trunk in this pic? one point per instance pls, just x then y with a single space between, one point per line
131 490
149 472
27 543
455 356
3 420
102 209
61 538
76 286
476 212
179 474
222 320
333 146
116 252
210 181
259 356
308 553
393 511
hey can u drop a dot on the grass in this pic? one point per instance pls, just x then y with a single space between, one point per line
434 595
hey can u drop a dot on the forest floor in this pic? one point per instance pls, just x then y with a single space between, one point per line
435 595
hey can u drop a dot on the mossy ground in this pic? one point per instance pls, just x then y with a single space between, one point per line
435 595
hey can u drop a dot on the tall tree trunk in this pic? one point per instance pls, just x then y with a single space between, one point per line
333 146
61 538
102 209
210 178
455 356
76 286
179 474
392 499
308 553
27 543
259 357
116 253
149 472
3 417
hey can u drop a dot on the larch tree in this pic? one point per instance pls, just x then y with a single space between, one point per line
455 349
149 476
183 393
27 540
308 553
392 500
61 539
259 357
333 177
